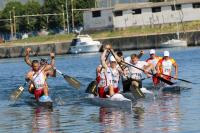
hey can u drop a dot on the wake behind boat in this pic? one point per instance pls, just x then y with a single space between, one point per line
84 44
116 101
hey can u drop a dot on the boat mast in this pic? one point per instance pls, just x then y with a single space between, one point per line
177 32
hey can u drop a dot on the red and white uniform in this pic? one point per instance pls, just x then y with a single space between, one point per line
108 77
135 73
154 63
165 67
39 82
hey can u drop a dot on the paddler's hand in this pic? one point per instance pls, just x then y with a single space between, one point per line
108 47
176 76
142 52
52 55
28 50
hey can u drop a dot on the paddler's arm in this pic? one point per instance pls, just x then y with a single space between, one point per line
52 64
176 70
52 56
140 54
27 58
147 69
103 60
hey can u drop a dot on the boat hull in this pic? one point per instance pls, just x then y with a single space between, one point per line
84 49
122 103
174 43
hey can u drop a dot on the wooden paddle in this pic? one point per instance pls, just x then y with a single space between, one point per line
179 79
17 93
92 87
72 81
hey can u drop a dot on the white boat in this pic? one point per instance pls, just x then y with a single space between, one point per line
84 44
116 101
174 43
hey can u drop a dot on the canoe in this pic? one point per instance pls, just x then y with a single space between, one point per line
116 101
45 102
171 88
130 96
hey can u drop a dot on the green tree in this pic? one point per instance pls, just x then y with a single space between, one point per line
32 7
52 6
11 7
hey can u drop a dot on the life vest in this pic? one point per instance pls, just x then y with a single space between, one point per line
39 80
135 73
165 66
109 77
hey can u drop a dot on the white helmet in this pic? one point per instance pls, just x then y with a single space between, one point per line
152 51
112 58
166 53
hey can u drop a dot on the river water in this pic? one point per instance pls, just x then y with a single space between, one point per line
165 113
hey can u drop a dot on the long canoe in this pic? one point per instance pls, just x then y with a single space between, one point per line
116 101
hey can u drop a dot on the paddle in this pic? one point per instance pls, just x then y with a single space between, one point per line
92 87
179 79
160 78
137 93
72 81
16 94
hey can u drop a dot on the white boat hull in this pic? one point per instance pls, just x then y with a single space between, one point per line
116 101
84 48
174 43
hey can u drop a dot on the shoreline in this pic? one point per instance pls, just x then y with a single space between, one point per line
118 43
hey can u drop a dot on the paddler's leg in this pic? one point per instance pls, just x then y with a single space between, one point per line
135 90
111 90
45 89
31 88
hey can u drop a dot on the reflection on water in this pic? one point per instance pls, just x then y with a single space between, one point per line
113 120
166 113
42 120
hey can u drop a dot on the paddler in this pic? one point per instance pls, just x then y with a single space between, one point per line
135 75
109 75
153 59
43 65
37 77
164 66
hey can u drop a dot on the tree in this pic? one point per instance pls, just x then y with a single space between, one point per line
52 6
11 7
32 7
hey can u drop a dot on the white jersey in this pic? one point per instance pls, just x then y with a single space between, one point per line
135 73
109 77
39 80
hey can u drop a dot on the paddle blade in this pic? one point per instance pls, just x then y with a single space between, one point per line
164 80
72 81
92 88
17 93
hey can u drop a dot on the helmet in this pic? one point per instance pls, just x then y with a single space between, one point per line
152 51
112 58
166 53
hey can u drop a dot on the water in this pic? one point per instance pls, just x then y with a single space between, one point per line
71 113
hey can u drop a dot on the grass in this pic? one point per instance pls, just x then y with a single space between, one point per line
131 31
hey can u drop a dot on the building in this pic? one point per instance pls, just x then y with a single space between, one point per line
140 14
111 3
